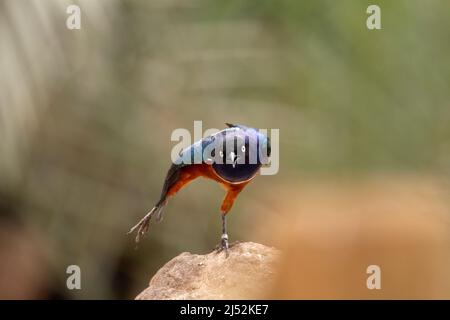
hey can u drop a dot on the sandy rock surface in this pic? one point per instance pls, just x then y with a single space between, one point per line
247 273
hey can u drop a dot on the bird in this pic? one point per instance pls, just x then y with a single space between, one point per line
232 157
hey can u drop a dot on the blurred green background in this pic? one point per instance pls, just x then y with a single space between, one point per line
86 117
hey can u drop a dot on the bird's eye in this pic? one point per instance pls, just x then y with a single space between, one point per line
243 148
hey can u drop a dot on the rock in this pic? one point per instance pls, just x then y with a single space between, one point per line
248 273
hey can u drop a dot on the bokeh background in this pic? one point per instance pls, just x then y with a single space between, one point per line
86 117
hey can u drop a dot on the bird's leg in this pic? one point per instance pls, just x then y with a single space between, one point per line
224 239
225 208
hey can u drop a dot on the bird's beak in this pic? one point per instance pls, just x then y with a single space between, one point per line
234 158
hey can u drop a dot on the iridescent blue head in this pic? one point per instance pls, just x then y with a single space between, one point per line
241 153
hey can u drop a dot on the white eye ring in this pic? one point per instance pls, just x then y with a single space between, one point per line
243 148
221 153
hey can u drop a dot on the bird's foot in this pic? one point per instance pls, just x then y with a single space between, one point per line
223 245
142 226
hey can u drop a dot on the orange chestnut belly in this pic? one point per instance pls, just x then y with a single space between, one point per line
189 173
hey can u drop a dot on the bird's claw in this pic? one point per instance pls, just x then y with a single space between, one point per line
142 227
223 245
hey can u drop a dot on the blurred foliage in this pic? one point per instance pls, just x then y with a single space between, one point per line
86 116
